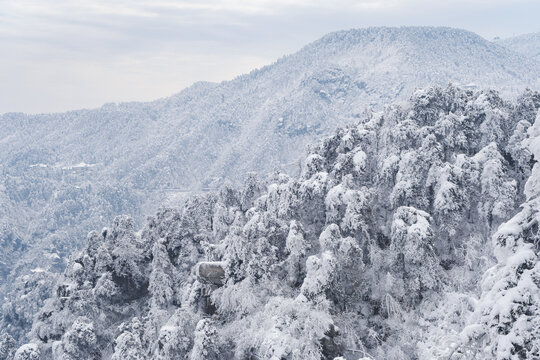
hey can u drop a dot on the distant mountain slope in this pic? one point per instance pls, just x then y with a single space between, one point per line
528 44
64 174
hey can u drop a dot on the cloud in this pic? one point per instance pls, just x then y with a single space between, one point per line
60 54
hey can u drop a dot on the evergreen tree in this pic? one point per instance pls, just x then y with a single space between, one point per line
27 352
128 345
204 342
161 284
7 346
80 341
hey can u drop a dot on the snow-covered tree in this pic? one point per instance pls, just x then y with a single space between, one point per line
175 338
161 283
80 341
7 347
128 345
297 247
285 328
27 352
204 341
506 323
413 254
125 251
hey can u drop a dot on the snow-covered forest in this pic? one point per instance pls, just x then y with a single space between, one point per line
63 175
528 44
411 233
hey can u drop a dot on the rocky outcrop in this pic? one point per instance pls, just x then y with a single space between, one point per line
210 273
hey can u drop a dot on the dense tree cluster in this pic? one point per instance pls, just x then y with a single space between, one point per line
375 250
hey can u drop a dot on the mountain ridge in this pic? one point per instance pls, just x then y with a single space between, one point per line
341 35
526 44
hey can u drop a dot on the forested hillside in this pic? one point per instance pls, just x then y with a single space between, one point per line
528 45
62 175
411 233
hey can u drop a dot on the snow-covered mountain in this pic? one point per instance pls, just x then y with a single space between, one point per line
65 174
528 44
375 251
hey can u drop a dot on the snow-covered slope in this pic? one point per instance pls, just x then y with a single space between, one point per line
528 44
64 174
375 251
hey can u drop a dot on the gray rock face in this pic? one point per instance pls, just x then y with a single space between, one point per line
211 273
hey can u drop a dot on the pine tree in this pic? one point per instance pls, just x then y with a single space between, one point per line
204 341
128 345
297 247
27 352
506 323
412 252
175 338
7 346
126 253
80 341
161 284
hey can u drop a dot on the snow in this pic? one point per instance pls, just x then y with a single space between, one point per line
388 216
359 160
81 165
528 44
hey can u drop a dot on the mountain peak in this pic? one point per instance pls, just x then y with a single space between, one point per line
402 32
419 35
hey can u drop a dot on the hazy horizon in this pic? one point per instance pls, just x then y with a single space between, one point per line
60 56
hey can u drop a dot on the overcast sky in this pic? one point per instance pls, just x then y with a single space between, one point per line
59 55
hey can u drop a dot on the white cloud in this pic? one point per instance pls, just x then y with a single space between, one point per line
60 54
